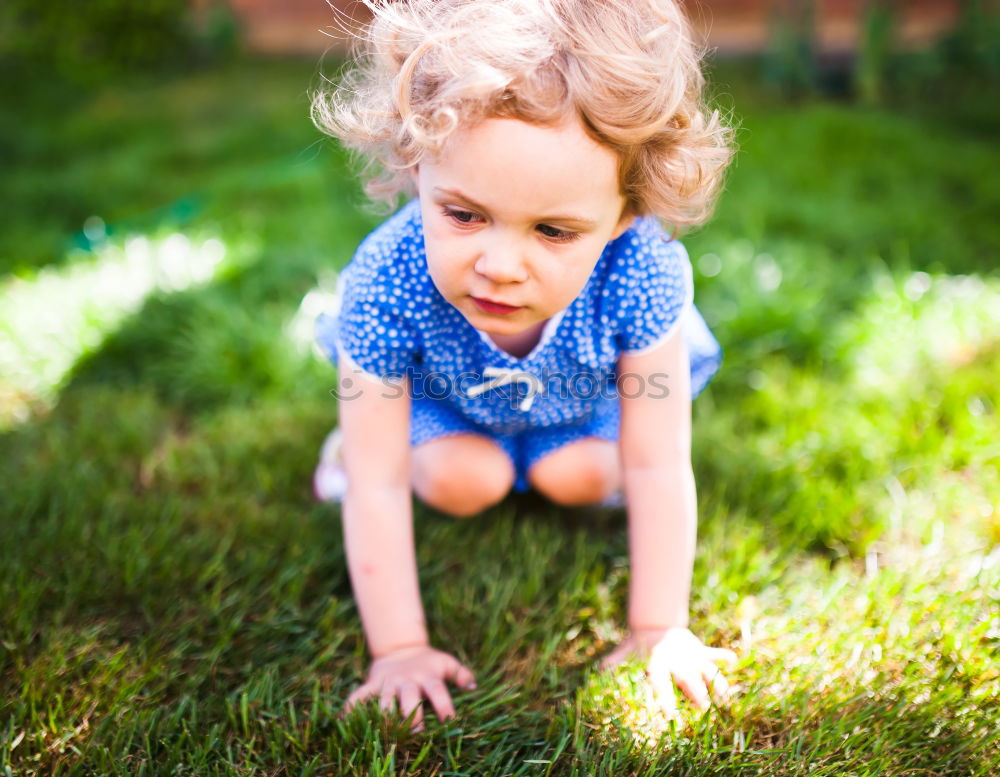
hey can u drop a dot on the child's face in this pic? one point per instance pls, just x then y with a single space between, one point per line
517 214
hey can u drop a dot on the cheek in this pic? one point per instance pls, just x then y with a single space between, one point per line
561 282
437 233
440 280
444 248
575 267
444 270
571 280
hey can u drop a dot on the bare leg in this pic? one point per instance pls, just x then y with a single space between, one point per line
583 472
461 474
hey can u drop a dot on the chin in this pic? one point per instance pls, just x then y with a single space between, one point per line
495 325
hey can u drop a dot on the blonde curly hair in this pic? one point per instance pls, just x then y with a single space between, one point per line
628 68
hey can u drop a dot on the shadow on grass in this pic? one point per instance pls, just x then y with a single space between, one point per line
218 345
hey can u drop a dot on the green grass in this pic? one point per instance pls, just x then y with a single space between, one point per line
172 602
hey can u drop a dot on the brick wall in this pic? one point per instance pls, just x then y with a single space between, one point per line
297 26
311 26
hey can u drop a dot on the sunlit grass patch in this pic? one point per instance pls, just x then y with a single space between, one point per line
860 653
832 397
910 324
234 342
50 320
854 666
622 703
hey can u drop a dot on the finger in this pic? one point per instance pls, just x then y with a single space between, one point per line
694 688
409 704
387 698
664 696
722 654
437 693
717 683
358 695
460 674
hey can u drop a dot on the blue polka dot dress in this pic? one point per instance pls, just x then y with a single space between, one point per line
391 321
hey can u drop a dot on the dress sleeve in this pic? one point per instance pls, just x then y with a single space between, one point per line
656 289
365 326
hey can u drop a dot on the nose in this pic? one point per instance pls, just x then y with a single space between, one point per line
502 261
501 258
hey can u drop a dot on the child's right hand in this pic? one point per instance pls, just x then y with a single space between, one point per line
409 674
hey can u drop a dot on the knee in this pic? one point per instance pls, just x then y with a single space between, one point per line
463 486
575 478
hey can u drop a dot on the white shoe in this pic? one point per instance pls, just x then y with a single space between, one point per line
330 479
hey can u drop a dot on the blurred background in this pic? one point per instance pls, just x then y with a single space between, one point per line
733 26
171 224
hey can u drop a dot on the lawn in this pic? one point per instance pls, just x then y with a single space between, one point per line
173 602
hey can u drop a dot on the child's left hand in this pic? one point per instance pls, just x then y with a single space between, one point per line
676 656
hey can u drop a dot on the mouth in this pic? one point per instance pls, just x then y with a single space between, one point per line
489 306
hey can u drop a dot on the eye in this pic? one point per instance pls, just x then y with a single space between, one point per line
558 235
461 216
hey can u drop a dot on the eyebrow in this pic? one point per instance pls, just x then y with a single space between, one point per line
562 219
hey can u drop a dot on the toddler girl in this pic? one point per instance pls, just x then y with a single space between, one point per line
525 321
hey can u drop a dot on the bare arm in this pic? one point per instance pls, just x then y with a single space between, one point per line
662 523
659 485
377 511
381 558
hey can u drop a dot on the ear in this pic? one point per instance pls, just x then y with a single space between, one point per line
624 222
